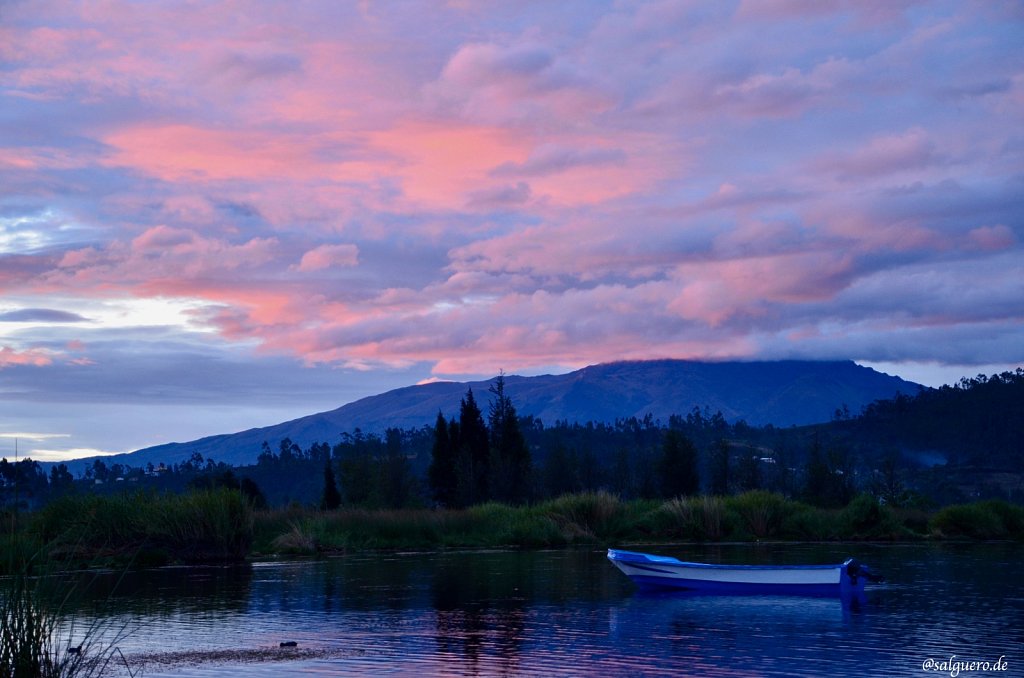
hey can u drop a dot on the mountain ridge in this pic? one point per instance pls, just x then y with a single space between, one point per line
782 393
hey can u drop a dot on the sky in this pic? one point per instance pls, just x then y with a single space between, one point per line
222 215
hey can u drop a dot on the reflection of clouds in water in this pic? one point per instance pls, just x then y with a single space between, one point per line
570 612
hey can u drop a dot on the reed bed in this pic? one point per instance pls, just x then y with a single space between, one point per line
41 636
153 529
220 525
594 518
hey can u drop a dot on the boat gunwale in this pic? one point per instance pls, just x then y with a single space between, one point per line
615 555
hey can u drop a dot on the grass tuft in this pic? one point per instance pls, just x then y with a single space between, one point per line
994 519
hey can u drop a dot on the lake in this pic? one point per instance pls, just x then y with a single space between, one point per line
567 612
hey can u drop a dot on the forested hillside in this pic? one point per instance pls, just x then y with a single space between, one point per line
976 423
782 393
938 447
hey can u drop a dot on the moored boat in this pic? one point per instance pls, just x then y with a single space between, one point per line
649 570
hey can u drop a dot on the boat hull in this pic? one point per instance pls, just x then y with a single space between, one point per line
662 572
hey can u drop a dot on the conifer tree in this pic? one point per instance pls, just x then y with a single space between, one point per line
442 472
474 451
720 468
817 477
510 457
678 465
331 498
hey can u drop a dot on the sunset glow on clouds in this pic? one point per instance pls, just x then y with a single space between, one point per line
266 203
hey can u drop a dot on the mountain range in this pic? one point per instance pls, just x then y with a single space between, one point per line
781 393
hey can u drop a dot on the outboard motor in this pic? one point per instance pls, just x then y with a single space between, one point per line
854 570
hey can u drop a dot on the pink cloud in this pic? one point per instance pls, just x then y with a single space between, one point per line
992 238
328 256
156 256
554 158
164 237
520 81
480 64
35 357
868 13
189 153
715 291
440 165
517 188
788 93
887 154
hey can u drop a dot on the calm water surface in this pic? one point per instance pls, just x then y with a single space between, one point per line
572 613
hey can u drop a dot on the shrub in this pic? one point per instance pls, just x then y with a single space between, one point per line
914 520
976 521
810 523
760 512
865 518
701 518
298 540
1011 516
681 518
993 519
585 515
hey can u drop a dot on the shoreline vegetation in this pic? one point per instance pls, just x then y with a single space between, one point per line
47 550
221 525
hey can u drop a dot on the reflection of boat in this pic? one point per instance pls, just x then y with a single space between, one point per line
666 572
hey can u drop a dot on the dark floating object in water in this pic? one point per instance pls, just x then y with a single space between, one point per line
289 643
75 650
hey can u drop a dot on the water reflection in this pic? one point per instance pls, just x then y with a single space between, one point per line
573 613
480 609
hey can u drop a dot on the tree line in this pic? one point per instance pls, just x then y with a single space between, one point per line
473 462
491 453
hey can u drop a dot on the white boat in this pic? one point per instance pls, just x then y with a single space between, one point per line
665 572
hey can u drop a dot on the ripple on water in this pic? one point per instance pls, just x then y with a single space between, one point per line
566 613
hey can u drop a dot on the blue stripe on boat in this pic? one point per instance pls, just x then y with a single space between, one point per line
733 587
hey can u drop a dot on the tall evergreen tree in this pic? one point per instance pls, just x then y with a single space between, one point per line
817 477
442 474
678 465
622 474
560 471
510 457
720 468
330 499
396 480
748 472
359 481
474 451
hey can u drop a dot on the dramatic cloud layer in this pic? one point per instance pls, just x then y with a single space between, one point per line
372 193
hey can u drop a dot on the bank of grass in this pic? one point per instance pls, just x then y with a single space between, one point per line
220 525
602 519
591 517
142 528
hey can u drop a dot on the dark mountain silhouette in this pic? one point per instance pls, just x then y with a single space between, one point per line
782 393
